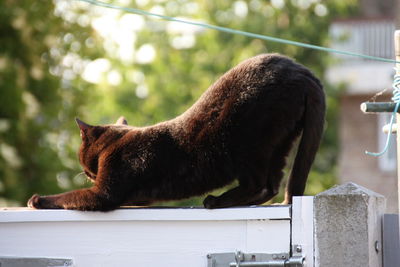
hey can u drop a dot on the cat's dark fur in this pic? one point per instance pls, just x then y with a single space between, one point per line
241 128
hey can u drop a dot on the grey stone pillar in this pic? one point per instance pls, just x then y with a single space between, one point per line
347 221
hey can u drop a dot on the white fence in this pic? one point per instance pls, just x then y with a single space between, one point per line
340 227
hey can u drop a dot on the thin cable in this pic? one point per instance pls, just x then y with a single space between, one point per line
239 32
396 99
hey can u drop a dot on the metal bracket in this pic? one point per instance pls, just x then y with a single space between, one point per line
240 259
33 262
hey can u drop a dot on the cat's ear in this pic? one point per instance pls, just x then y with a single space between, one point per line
122 121
82 125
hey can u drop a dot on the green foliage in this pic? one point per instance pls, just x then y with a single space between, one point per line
38 100
65 59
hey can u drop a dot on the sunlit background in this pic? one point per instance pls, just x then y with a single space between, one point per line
63 59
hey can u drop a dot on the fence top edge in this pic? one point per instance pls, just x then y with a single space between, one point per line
148 214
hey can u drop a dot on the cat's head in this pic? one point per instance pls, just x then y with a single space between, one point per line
94 139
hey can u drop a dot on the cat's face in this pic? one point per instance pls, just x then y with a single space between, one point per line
92 144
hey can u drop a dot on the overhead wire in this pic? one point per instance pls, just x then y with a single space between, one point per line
238 32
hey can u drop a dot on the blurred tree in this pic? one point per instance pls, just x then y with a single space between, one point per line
102 63
39 98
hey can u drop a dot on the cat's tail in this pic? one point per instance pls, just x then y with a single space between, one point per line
314 118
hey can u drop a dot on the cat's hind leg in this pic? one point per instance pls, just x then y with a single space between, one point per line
274 174
251 187
261 179
261 197
239 196
234 197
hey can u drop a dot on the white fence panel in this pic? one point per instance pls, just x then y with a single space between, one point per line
143 237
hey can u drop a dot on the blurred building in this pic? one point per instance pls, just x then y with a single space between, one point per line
370 34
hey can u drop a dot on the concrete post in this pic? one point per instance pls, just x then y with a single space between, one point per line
347 221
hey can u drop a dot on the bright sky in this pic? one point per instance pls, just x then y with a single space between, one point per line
119 31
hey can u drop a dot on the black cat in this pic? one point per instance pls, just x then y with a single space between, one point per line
241 128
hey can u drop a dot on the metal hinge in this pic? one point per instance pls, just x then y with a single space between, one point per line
240 259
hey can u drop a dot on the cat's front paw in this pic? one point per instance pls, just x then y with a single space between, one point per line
210 202
34 202
44 202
